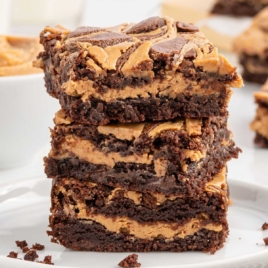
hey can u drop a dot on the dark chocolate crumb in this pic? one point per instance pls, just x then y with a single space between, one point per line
31 255
25 249
265 226
21 244
130 261
265 241
13 254
53 240
38 246
47 260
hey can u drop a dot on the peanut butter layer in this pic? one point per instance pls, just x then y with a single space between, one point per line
170 88
72 145
124 62
17 54
134 130
151 231
217 185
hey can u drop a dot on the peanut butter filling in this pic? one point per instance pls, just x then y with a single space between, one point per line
217 185
86 150
155 230
17 55
123 131
166 88
260 123
131 131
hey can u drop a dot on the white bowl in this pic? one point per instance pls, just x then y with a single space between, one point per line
26 112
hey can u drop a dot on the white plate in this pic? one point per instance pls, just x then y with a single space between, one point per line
24 213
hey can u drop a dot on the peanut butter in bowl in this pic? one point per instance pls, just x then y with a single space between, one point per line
17 54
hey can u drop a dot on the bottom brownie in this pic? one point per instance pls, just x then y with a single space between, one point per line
261 141
91 236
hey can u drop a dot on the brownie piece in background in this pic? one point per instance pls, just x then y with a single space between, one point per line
251 47
239 7
260 122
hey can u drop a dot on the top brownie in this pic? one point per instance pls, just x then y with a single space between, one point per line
158 69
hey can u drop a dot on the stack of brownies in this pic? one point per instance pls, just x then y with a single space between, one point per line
139 149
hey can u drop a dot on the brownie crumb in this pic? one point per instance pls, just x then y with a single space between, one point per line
47 260
13 254
31 255
265 241
265 226
38 246
130 261
25 249
21 244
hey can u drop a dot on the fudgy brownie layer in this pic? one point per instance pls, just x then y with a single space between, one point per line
238 8
162 138
81 198
117 66
97 112
133 177
91 236
257 63
261 141
184 154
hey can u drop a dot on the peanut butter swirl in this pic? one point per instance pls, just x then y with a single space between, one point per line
109 63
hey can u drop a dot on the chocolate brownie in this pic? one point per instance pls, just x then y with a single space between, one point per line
158 69
260 122
265 226
130 261
251 46
171 157
13 255
95 217
239 7
31 255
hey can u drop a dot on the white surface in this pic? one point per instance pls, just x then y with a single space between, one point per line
24 209
26 112
227 25
104 13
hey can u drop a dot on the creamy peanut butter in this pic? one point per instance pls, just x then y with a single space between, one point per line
17 55
84 149
143 230
131 131
166 88
193 126
166 126
123 131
